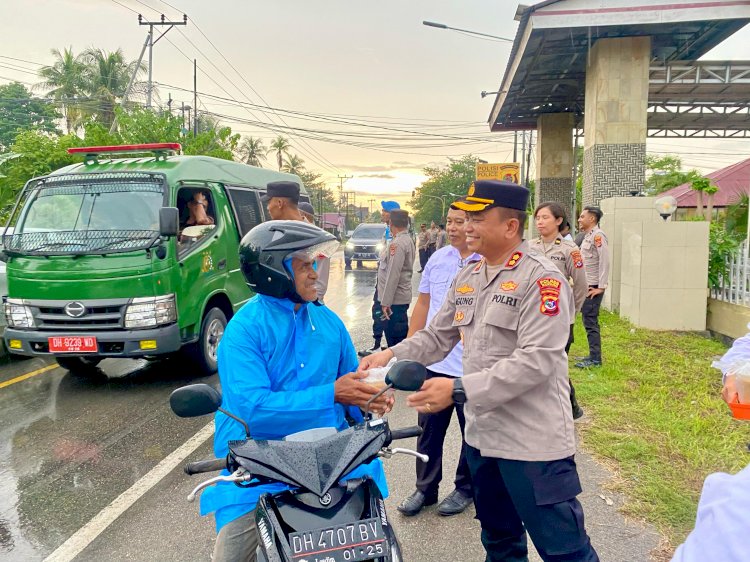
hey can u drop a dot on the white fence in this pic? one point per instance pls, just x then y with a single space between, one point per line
736 286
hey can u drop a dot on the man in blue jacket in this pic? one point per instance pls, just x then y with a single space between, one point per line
285 365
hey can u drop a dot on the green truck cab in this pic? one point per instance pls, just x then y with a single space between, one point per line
116 257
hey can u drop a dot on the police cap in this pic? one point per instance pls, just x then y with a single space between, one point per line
289 189
485 194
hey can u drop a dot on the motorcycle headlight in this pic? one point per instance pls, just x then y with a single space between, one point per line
349 246
148 312
18 315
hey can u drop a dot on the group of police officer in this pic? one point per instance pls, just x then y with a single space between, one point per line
512 311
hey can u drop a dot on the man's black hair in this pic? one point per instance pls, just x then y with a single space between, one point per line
596 211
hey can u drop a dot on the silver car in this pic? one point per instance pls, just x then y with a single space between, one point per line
365 244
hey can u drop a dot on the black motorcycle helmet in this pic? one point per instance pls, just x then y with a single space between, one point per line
266 247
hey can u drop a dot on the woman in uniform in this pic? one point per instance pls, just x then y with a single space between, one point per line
550 218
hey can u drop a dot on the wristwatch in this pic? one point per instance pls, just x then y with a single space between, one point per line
459 394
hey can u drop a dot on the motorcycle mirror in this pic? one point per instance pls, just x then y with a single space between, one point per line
195 400
406 375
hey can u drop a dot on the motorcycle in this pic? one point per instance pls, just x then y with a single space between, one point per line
321 519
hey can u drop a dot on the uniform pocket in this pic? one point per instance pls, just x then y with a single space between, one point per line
463 316
556 488
502 317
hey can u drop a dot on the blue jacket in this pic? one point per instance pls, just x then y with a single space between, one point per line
277 369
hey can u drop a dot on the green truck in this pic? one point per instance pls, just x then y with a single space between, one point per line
131 257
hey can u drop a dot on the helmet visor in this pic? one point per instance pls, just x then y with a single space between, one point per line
322 250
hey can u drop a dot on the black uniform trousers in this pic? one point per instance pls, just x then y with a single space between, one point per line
422 257
397 326
590 313
377 321
431 248
512 497
434 427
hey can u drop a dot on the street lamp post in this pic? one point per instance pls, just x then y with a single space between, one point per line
443 26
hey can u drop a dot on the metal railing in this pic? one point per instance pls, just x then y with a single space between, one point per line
735 287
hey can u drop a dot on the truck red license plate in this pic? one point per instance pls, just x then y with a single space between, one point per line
73 344
359 540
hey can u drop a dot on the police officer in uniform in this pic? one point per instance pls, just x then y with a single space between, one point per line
512 310
550 219
394 279
595 251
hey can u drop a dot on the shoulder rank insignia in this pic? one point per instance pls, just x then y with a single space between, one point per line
514 259
464 289
478 267
577 259
508 286
558 241
549 290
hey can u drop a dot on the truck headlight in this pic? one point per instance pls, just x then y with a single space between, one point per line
148 312
17 314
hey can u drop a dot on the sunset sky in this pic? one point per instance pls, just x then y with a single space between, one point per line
361 89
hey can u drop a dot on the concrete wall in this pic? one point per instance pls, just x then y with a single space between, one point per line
730 320
617 211
664 270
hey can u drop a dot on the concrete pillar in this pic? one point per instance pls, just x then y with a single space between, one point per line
615 118
554 160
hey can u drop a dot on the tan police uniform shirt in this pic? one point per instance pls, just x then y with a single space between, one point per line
433 232
395 270
514 328
595 251
442 239
568 259
422 239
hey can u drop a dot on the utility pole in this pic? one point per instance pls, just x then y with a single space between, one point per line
515 146
523 157
371 201
342 179
152 42
169 103
195 98
528 159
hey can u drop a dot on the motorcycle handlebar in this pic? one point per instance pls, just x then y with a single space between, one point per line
406 433
205 466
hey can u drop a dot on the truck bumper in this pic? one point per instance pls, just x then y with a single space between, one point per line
121 343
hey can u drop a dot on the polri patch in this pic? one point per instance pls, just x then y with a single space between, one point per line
549 290
577 259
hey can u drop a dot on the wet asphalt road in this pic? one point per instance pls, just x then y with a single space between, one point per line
71 446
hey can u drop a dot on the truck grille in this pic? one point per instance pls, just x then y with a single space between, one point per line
97 314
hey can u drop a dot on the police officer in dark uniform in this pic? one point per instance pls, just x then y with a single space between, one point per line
512 310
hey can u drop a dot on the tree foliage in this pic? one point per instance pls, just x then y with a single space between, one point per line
321 196
20 111
444 185
665 172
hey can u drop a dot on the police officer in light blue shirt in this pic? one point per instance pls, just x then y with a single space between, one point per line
437 277
285 365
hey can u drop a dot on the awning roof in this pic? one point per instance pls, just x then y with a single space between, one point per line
547 64
733 182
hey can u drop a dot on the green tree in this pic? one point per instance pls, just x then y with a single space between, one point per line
106 77
281 147
665 172
444 183
64 81
19 111
252 151
293 164
321 197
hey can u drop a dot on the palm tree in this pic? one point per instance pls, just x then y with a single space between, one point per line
252 151
281 146
106 79
64 81
293 165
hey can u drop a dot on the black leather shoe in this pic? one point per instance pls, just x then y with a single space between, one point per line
577 412
588 363
370 351
455 503
414 503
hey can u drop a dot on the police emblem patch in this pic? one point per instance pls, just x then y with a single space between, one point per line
393 249
514 259
465 289
598 240
549 290
459 316
577 259
508 286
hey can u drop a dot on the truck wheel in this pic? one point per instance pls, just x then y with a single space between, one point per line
205 350
82 366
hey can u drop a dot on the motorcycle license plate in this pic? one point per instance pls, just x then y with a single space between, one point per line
361 540
72 344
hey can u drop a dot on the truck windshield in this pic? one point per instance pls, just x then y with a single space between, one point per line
88 217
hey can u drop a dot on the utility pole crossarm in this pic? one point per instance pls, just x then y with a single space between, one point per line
150 40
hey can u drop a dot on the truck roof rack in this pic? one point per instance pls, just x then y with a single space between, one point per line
159 149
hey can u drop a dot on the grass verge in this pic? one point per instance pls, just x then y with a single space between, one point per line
656 411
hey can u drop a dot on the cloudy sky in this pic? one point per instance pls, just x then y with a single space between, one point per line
361 89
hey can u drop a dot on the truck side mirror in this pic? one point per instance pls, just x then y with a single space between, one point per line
169 221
